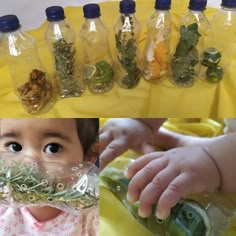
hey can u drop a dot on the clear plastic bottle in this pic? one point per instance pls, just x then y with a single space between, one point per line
26 181
97 55
32 84
186 59
219 43
157 49
128 59
60 38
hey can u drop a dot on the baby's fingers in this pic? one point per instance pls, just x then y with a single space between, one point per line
143 177
114 149
138 164
177 189
153 190
104 139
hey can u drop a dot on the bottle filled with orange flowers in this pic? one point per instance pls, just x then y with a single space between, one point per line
157 50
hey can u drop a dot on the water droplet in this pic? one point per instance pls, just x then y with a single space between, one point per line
118 188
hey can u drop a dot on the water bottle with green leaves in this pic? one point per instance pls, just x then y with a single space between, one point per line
93 34
127 57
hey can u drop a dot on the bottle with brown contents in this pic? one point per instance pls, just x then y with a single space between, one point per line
33 85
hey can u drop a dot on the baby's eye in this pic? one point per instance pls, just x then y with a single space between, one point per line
52 148
14 147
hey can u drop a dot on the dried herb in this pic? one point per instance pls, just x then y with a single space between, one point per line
22 184
126 46
65 63
35 93
186 56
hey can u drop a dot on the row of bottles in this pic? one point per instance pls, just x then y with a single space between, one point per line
200 51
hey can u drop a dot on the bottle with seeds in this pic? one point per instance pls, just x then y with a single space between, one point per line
60 38
93 34
128 58
32 83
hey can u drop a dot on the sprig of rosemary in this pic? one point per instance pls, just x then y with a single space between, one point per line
127 57
65 62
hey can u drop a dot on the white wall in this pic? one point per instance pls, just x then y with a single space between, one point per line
32 12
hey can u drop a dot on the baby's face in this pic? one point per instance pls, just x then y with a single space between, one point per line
43 139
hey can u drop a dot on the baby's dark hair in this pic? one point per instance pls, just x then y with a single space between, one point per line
87 129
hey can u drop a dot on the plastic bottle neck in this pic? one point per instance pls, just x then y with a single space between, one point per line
94 23
196 12
15 32
93 19
129 15
60 23
223 8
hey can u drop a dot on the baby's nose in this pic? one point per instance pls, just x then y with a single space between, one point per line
32 154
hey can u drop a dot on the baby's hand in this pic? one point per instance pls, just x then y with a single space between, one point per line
119 135
166 177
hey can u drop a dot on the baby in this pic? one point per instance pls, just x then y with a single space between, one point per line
56 140
190 164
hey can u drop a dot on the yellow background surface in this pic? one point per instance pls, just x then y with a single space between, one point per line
146 100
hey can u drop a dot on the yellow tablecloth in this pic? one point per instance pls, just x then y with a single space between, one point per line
146 100
115 220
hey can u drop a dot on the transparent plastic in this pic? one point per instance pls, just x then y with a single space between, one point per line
28 182
186 63
61 39
219 45
200 214
128 63
157 56
32 84
99 73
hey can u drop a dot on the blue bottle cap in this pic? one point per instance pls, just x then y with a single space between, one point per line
197 5
9 23
127 6
228 3
163 4
55 13
91 10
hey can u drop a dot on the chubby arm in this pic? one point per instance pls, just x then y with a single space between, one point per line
223 152
166 139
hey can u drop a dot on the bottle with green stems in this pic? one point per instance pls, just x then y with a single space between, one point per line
127 57
93 34
203 215
60 38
